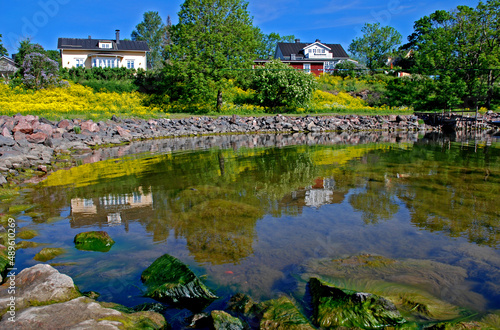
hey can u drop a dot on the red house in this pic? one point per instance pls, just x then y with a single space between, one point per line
313 57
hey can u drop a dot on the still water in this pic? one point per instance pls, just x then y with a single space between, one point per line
260 214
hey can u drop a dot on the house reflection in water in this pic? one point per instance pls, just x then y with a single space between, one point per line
111 210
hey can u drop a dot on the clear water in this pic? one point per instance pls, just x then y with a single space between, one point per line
254 214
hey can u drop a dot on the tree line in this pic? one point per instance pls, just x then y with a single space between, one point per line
452 58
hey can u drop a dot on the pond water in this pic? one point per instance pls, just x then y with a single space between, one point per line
258 214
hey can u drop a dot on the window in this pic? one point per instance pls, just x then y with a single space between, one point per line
80 62
307 67
130 64
105 62
105 45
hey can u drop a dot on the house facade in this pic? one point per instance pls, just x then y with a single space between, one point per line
313 57
7 67
104 53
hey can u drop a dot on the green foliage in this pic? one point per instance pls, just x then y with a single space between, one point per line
3 50
461 49
349 69
152 30
268 43
376 44
279 85
212 42
39 71
25 48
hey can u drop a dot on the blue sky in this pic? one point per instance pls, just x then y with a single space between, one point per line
331 21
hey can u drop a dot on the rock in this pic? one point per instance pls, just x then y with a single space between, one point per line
282 314
39 137
94 241
2 180
39 285
168 279
6 141
224 321
65 124
24 127
90 126
81 313
45 128
47 254
334 307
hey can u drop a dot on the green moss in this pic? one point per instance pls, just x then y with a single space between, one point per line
7 193
94 241
168 279
47 254
283 314
334 307
15 209
223 321
27 234
26 245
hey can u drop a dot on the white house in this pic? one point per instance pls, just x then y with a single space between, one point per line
104 53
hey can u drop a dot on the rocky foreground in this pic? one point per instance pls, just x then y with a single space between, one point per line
33 142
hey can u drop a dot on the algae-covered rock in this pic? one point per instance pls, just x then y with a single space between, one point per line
47 254
334 307
168 279
81 313
283 314
94 241
27 245
240 303
27 234
5 262
224 321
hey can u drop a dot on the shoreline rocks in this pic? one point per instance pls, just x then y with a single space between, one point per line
30 142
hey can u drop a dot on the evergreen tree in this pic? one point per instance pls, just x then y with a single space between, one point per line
3 50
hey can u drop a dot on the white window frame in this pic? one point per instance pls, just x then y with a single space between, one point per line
307 67
105 45
130 64
80 62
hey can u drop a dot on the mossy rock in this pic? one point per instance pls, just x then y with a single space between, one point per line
94 241
5 262
15 209
169 280
334 307
283 314
224 321
27 234
27 245
47 254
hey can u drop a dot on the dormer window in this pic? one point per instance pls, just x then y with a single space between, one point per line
106 45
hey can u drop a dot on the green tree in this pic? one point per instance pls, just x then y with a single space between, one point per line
152 30
213 42
376 44
279 85
25 48
268 43
461 46
3 50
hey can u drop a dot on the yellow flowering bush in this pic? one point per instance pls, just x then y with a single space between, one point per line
344 102
75 100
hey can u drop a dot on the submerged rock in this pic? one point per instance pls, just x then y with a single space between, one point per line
47 254
168 279
334 307
94 241
224 321
283 314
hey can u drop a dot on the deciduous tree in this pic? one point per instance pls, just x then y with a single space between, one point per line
3 50
376 44
213 41
268 43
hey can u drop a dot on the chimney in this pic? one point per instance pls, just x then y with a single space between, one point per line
297 41
317 40
90 37
117 36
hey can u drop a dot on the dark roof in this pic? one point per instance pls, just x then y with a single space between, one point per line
93 44
288 48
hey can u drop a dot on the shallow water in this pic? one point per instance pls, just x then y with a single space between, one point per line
251 214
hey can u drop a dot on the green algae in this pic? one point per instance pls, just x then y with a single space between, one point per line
27 245
224 321
27 234
168 279
283 314
16 209
334 307
47 254
93 241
